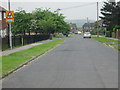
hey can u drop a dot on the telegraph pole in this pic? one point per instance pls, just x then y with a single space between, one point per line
97 21
88 24
10 32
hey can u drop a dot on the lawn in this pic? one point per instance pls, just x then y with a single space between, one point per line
103 40
14 60
115 43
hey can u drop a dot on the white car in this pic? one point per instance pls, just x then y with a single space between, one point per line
87 35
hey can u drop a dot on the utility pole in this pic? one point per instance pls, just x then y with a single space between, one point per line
87 19
88 24
97 21
10 32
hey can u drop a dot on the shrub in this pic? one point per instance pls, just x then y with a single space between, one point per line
108 34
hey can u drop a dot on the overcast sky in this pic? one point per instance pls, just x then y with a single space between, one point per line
85 9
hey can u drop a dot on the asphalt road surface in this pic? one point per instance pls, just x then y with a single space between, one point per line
77 63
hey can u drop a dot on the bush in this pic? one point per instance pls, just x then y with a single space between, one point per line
94 32
102 32
116 27
58 35
108 34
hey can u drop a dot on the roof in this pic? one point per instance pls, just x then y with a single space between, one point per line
88 25
73 25
2 9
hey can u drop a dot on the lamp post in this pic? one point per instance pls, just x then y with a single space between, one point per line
10 32
97 21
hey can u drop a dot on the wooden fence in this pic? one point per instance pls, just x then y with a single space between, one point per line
22 40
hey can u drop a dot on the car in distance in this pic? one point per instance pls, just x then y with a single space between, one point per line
87 35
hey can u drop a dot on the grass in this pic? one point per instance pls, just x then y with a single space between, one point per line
103 40
115 43
14 60
0 66
117 47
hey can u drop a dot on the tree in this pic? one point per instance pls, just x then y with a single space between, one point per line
111 14
22 22
39 21
118 13
50 22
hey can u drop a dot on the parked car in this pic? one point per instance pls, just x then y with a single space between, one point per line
66 34
87 35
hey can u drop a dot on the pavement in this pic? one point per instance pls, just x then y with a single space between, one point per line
113 38
109 38
76 63
7 52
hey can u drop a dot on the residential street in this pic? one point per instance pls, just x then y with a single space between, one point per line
77 63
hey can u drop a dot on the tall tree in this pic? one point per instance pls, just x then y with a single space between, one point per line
22 22
39 21
111 14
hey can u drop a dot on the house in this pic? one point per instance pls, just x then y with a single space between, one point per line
73 28
88 26
3 24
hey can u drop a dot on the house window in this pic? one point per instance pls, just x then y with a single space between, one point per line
3 33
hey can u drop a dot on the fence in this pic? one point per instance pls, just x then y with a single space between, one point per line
22 40
118 34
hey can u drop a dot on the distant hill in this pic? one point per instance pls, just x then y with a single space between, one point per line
79 22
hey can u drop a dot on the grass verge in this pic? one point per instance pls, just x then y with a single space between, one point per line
0 66
103 40
115 43
14 60
111 41
117 47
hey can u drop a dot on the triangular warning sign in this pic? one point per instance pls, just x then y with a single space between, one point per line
9 16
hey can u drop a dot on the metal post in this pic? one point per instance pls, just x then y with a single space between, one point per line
10 32
97 21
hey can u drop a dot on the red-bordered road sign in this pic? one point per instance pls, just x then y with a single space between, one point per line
10 16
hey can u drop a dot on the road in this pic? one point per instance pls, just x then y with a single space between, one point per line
77 63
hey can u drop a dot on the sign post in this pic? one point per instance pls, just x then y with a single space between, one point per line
9 16
10 19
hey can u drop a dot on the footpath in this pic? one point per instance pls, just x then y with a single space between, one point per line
7 52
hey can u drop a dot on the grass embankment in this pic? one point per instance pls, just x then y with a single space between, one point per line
108 41
14 60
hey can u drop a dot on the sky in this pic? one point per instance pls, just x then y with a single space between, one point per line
72 9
